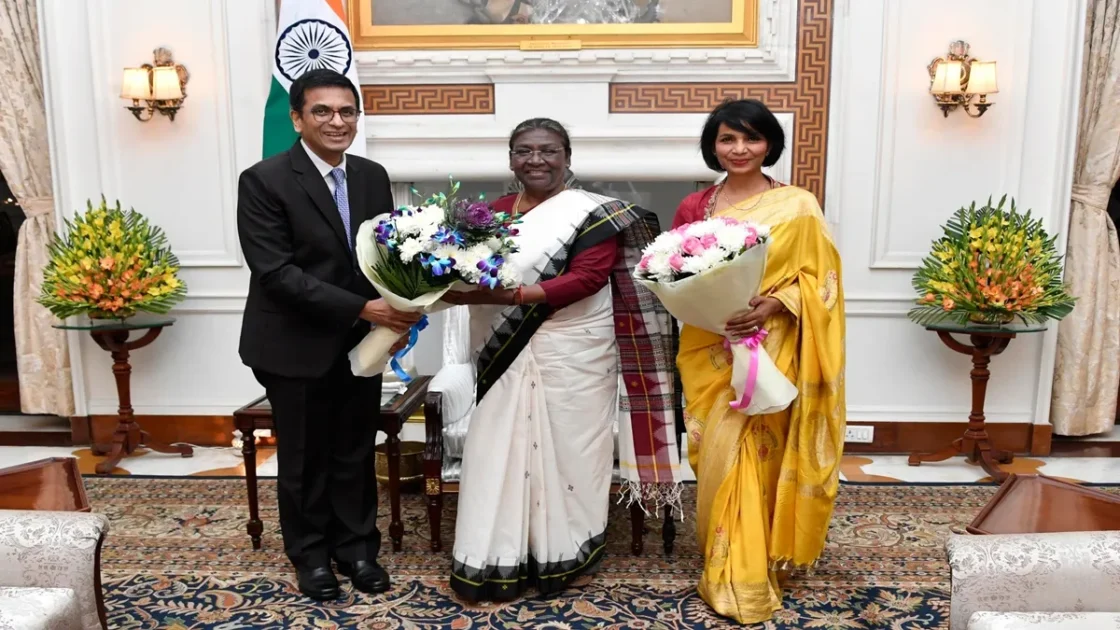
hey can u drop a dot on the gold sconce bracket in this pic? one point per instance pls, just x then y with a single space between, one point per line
951 92
162 85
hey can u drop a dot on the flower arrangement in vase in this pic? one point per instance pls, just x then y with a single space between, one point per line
993 265
110 263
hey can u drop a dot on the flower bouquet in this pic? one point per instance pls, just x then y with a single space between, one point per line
110 264
415 254
992 266
705 273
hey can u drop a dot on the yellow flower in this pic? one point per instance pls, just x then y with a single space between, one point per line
99 222
992 232
87 264
975 232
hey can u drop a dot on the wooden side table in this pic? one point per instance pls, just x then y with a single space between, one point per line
113 337
985 343
257 416
1037 504
53 484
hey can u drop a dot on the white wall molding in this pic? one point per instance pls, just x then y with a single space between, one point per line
116 129
895 77
627 147
774 60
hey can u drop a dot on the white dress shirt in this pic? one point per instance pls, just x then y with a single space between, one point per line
324 168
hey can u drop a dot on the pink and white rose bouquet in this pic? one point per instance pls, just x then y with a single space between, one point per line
705 273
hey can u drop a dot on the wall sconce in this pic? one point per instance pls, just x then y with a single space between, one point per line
958 78
163 85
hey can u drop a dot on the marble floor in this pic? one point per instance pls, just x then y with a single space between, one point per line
227 461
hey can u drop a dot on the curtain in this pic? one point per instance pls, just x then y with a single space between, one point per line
43 358
1087 369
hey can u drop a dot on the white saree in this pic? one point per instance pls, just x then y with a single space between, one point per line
536 477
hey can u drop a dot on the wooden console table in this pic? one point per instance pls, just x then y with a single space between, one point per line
257 416
112 336
986 342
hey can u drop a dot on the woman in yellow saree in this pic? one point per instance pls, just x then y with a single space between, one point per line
766 485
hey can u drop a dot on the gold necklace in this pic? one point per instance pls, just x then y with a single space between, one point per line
735 206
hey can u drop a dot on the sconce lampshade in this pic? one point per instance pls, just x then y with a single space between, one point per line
134 84
947 78
982 78
165 84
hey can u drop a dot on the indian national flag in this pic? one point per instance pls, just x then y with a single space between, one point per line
310 34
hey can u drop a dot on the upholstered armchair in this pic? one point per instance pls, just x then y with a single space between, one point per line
1036 581
447 412
50 570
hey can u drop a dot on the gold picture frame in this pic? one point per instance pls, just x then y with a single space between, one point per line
740 31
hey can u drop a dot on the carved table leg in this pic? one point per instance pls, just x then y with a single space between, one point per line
975 444
253 527
393 451
128 436
433 466
669 531
637 528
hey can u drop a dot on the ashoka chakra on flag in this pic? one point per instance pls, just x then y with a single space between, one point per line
310 45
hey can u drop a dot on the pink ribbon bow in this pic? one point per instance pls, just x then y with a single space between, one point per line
752 342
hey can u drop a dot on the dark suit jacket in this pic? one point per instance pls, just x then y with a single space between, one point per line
305 291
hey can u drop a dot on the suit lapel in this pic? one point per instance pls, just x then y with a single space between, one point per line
359 205
316 188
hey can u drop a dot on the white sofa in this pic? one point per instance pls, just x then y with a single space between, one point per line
50 575
1035 581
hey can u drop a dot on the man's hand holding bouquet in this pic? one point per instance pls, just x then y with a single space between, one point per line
416 254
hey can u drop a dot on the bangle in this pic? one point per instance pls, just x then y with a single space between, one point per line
518 296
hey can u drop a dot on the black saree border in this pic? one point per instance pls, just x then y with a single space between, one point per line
513 335
478 584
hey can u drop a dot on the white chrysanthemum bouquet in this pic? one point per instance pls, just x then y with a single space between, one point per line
415 254
705 273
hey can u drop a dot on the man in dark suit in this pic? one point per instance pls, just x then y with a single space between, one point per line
308 305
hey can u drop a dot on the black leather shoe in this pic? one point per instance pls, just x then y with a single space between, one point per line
318 583
367 576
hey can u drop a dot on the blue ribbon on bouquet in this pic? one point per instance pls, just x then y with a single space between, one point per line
413 336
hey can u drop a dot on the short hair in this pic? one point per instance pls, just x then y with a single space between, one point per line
546 124
747 116
320 77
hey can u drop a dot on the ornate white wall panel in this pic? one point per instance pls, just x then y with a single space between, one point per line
896 168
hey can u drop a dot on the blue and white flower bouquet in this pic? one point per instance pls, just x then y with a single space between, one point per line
415 254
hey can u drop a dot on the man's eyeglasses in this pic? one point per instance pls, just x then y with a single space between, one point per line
547 153
325 114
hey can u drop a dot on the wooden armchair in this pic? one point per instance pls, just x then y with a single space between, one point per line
447 411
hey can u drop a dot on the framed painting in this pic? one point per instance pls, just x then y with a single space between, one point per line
552 24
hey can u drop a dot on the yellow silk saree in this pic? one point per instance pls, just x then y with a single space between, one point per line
766 485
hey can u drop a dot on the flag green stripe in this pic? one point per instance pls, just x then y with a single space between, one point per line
278 133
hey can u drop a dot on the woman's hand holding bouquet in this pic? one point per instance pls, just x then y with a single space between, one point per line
416 254
708 274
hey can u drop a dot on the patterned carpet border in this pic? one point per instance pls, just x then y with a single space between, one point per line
178 557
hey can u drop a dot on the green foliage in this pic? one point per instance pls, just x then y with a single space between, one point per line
110 264
992 265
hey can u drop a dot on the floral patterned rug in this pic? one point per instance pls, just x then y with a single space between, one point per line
178 557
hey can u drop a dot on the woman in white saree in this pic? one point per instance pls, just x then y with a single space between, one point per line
537 463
